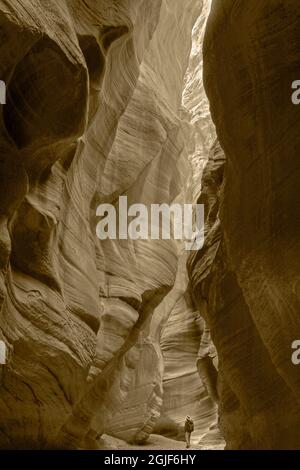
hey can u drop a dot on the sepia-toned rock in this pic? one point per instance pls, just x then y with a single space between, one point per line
109 339
94 110
245 282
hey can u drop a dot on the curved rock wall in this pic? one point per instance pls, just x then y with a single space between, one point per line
62 157
250 284
184 392
94 111
137 417
169 379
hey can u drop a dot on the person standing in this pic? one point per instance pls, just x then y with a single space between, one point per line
188 429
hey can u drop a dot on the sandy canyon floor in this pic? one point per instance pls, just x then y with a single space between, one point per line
155 442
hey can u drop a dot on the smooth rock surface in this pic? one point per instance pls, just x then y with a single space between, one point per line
94 111
169 387
248 278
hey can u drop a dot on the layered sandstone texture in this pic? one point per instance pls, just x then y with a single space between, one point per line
185 392
139 412
246 281
167 385
93 111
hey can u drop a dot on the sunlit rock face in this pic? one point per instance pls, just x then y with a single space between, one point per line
166 386
195 106
250 284
139 413
184 392
84 122
185 339
94 111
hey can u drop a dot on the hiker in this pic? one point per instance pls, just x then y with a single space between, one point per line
188 429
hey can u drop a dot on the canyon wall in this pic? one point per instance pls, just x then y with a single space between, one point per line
94 111
168 385
246 280
184 392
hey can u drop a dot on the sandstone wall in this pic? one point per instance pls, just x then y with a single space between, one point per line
168 386
249 282
184 392
93 111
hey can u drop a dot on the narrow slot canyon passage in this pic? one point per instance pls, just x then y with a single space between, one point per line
116 325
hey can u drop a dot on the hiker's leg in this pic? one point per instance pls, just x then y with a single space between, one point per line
187 438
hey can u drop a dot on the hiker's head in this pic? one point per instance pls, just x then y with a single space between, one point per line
188 417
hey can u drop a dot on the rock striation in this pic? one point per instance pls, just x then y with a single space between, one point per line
94 110
169 379
246 280
184 391
166 384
